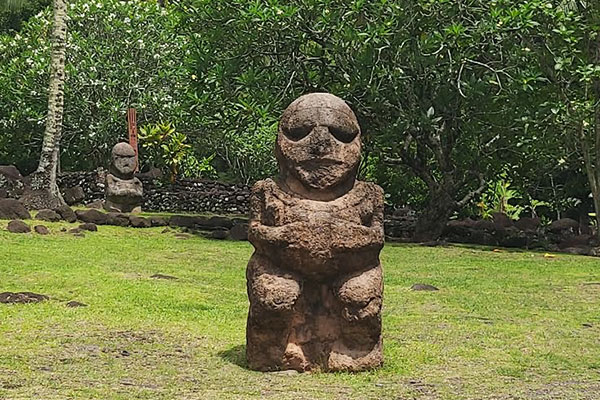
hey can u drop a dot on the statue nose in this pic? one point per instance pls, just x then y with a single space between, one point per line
320 142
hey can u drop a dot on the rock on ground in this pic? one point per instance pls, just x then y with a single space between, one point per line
118 219
73 195
66 213
13 209
88 226
239 231
48 215
41 229
18 226
424 287
139 222
93 216
219 234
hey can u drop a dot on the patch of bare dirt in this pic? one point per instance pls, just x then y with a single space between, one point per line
161 276
21 297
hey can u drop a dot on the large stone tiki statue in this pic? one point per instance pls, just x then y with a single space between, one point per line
315 281
123 191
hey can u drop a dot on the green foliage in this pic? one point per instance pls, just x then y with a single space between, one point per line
119 55
13 13
168 149
448 94
562 58
497 200
427 80
534 205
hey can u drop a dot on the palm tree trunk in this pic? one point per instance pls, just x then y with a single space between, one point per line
44 191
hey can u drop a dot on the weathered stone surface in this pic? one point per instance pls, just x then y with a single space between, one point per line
219 234
48 215
580 250
10 172
315 281
400 223
239 231
159 221
66 213
41 229
73 195
152 173
486 225
513 237
13 209
88 226
11 182
182 221
501 220
218 222
528 224
564 225
139 222
185 195
118 219
93 216
576 241
124 192
18 226
98 205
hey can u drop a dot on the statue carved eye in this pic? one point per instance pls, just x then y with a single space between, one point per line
296 133
344 134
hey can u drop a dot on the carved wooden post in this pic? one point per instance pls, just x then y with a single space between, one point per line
133 137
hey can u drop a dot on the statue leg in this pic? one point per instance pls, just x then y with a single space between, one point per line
359 346
273 294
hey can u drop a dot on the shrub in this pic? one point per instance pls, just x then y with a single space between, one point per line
119 55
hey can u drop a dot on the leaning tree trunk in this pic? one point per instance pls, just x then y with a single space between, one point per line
44 192
591 147
432 221
596 170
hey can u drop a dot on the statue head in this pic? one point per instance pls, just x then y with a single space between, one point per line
123 161
318 145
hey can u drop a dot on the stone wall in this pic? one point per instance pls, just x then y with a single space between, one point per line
196 196
201 196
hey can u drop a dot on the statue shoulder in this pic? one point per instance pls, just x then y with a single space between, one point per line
369 189
266 186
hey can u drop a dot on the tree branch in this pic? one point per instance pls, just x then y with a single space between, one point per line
469 196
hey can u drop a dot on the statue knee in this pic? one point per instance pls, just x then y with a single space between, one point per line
361 294
276 292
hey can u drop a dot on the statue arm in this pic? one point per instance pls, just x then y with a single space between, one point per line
378 206
261 232
368 235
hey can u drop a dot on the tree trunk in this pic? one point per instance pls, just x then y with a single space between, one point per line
592 161
44 192
432 221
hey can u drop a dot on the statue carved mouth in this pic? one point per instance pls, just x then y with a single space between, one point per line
318 163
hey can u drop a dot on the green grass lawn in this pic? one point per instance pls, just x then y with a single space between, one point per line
504 325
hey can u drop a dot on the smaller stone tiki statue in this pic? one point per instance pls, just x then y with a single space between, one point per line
315 281
123 190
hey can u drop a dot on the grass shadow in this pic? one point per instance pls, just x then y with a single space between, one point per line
235 355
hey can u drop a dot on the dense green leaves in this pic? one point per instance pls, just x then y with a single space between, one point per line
452 96
120 55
